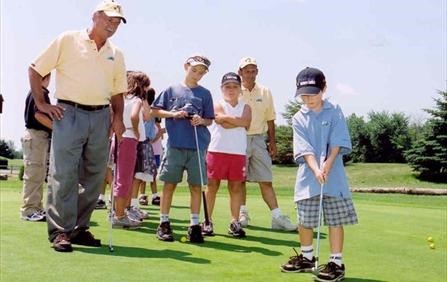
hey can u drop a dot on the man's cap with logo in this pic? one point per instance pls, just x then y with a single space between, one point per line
231 77
197 59
111 9
310 81
247 61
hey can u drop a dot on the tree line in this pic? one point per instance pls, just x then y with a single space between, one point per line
384 137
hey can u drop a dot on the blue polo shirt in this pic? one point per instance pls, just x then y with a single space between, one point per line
197 100
313 134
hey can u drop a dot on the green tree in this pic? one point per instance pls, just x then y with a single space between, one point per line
292 107
361 145
6 150
284 144
428 156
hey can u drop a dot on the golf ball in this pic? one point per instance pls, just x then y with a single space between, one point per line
430 239
183 239
432 246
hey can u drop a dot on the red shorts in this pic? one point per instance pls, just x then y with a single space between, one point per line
222 166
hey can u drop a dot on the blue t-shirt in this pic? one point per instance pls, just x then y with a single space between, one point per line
197 100
149 128
315 134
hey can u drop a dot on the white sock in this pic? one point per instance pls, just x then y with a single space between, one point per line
194 218
336 258
164 217
101 197
276 213
154 195
243 208
134 202
307 252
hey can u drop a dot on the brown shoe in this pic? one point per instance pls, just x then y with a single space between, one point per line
85 238
62 243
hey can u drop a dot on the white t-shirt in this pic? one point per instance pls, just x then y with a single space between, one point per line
229 140
129 102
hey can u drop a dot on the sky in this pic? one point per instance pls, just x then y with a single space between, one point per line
377 55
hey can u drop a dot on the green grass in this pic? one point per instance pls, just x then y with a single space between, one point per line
14 162
389 243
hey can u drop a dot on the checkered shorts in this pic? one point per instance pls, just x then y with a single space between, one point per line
336 211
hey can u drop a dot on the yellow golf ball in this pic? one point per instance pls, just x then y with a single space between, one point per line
432 246
430 239
183 239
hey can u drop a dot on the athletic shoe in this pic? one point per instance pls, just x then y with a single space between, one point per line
139 212
298 263
195 234
125 222
283 223
164 232
85 238
236 230
143 200
62 243
330 272
35 216
156 201
42 212
244 218
100 205
133 214
207 230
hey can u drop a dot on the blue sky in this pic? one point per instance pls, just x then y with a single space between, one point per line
377 55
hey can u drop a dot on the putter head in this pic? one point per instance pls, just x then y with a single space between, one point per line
111 249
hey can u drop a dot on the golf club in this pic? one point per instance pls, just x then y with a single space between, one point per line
112 201
207 219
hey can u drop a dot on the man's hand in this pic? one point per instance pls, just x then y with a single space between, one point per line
272 149
119 128
53 111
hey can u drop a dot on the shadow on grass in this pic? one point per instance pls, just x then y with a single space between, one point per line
237 248
133 252
259 228
353 279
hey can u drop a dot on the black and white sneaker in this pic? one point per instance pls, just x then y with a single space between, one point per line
35 216
298 263
207 229
164 232
100 205
330 272
195 234
236 230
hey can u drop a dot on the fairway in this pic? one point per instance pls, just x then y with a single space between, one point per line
389 244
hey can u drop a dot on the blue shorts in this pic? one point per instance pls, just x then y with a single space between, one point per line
336 211
176 161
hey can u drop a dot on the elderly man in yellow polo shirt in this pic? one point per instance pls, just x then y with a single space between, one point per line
259 157
90 75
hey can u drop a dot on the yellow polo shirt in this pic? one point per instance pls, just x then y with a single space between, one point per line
262 108
83 74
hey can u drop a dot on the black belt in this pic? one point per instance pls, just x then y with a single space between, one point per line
83 107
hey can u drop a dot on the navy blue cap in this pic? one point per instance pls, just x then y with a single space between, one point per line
231 77
310 81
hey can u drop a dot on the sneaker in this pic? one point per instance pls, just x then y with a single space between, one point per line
35 216
244 218
133 214
62 243
236 230
156 201
125 222
164 232
139 212
85 238
283 223
330 272
195 234
143 200
298 263
207 230
100 205
42 212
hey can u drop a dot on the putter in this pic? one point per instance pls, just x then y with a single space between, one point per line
320 211
112 201
207 219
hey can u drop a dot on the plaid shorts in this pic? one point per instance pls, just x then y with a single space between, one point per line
336 211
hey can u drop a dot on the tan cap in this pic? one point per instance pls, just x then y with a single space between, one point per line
111 9
247 61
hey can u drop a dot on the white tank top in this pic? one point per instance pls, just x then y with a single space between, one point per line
229 140
129 103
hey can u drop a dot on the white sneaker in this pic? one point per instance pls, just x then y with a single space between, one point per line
244 218
133 214
141 213
283 223
125 223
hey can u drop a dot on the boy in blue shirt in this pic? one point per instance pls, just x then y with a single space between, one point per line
320 139
185 106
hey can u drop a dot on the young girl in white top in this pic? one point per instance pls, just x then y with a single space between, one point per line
227 151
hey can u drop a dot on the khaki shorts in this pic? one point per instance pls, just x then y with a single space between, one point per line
259 162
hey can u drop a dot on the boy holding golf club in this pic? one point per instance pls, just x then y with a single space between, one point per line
188 109
320 139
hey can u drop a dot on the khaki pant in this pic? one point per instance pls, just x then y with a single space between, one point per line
35 155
